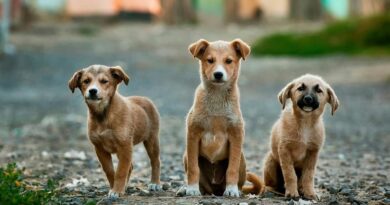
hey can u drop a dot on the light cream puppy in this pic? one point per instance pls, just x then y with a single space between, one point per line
297 137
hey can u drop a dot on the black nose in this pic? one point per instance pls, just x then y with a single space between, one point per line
93 91
307 99
218 75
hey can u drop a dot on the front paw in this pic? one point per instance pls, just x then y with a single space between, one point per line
154 187
193 190
310 194
113 195
232 191
292 194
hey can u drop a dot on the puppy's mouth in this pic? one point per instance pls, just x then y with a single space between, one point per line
218 82
308 107
93 99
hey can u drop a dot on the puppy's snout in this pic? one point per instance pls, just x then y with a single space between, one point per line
308 99
93 91
218 75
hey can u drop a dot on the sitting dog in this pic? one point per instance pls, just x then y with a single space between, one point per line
297 137
213 160
116 123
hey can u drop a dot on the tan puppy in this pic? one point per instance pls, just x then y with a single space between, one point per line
213 160
297 137
116 123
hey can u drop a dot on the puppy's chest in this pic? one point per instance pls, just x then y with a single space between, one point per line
307 139
214 142
105 139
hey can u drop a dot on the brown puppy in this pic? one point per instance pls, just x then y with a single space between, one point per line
297 137
116 123
213 160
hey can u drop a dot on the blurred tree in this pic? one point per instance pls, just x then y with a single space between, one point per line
178 11
305 9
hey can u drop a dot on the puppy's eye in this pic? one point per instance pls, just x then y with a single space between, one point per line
86 81
210 60
228 61
318 90
104 81
301 88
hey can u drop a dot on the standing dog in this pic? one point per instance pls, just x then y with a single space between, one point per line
297 137
213 160
116 123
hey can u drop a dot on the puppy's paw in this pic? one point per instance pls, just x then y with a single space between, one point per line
293 194
232 191
112 195
310 194
154 187
193 190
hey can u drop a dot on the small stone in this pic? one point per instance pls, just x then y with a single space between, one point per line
166 186
291 202
145 193
268 194
252 203
346 191
333 201
332 190
242 203
386 201
387 194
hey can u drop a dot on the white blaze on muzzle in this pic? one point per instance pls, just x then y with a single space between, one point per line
90 88
222 70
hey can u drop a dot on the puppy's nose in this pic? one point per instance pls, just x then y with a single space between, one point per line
92 91
218 75
307 99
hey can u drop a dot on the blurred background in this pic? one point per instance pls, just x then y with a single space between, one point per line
43 42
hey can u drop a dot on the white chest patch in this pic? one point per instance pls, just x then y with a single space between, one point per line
214 146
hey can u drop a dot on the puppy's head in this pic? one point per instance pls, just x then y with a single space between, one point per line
98 83
219 60
309 94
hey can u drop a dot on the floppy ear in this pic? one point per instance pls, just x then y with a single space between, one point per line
332 99
198 48
242 49
118 73
74 82
285 93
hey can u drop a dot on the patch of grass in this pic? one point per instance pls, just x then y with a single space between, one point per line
362 36
14 190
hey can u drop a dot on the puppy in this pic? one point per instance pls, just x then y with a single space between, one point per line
213 160
116 123
297 137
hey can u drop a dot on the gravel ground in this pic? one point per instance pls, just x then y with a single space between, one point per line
43 126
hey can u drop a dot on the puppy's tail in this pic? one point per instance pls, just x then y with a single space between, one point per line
257 186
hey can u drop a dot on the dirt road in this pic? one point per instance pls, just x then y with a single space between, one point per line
43 126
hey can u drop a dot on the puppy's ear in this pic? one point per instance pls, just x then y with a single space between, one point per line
74 81
285 94
198 48
332 99
118 73
242 49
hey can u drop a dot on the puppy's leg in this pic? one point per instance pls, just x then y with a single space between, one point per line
307 178
289 176
130 170
273 177
124 155
106 163
232 173
193 171
153 149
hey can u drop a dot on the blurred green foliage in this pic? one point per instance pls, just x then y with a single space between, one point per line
13 189
360 36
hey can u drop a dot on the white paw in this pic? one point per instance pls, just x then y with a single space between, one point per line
154 187
113 195
231 190
193 190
